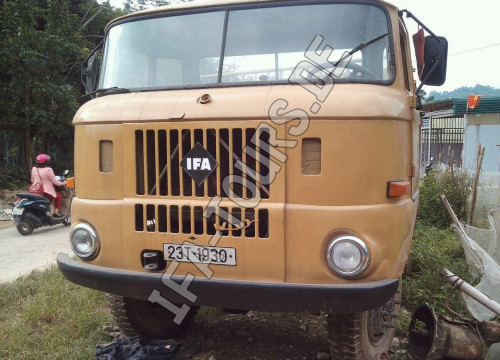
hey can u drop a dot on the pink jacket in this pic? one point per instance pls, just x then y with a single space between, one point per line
48 179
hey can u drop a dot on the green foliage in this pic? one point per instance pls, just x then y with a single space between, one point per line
456 186
13 177
433 249
138 5
42 45
44 316
424 97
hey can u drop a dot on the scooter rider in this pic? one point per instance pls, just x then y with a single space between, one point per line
45 175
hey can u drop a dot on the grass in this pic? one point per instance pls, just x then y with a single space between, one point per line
44 316
432 250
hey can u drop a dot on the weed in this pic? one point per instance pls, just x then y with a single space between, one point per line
433 249
456 186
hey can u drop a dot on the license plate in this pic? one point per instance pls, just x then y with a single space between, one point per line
200 254
17 211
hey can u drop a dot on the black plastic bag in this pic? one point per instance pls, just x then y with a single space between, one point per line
138 348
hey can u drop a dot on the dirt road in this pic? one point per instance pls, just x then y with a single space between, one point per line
19 255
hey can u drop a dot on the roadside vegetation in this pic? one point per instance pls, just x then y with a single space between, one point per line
434 249
455 185
44 316
436 245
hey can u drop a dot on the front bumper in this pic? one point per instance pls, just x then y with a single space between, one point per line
233 294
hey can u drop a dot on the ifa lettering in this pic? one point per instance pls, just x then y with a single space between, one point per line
198 164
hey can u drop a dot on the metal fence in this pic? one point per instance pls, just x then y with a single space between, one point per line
446 137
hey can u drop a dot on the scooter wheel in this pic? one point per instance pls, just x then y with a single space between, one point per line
25 228
67 221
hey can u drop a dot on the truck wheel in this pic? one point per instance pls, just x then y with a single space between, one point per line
141 317
25 228
365 335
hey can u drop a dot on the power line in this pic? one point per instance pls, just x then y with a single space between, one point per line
480 48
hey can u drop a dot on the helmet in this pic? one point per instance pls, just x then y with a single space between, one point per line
42 159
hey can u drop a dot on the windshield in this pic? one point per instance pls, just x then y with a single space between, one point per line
258 45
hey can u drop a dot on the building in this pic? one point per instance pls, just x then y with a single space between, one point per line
450 128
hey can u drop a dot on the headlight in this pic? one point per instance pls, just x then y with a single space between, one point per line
84 241
347 255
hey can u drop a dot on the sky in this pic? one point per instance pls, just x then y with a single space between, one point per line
472 29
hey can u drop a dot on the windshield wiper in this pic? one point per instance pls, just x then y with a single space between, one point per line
359 47
109 91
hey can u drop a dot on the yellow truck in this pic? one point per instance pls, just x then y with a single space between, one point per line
252 155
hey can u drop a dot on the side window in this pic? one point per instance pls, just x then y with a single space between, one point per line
404 57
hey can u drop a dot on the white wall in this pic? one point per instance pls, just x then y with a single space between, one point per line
489 137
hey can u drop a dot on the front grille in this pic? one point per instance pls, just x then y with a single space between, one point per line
174 219
158 154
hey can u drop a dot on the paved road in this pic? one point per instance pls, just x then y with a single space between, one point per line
19 255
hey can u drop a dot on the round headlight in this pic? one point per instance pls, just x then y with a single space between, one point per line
84 241
347 255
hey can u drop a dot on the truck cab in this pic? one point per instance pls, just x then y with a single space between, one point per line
253 156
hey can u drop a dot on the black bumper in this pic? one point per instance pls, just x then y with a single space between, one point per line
244 295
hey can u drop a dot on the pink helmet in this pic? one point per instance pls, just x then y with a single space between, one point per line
42 159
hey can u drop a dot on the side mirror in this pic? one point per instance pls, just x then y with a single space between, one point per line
435 59
89 73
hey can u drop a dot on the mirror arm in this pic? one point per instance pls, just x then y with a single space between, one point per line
93 51
84 71
430 71
410 15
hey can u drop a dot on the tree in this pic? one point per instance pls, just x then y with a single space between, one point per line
137 5
425 99
464 91
42 45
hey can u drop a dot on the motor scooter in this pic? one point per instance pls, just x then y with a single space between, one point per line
32 211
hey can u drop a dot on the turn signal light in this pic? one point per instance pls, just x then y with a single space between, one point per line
397 188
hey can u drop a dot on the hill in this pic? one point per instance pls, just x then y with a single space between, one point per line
463 92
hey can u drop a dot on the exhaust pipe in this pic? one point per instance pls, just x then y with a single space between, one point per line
434 337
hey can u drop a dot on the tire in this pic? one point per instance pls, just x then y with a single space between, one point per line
141 317
67 221
25 228
363 336
67 217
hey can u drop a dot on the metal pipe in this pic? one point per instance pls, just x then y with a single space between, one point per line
430 139
462 285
